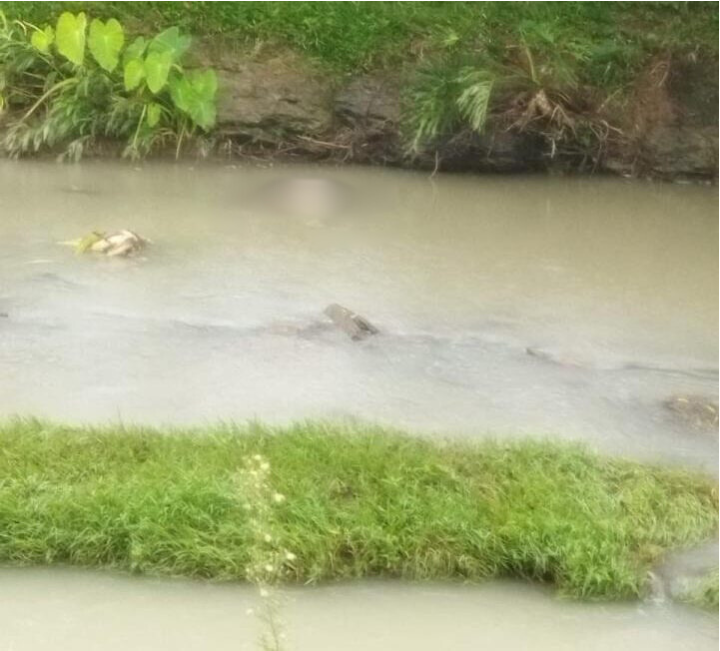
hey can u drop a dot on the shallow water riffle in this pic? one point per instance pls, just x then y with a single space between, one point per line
76 610
612 286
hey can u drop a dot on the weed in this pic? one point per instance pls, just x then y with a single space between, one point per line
74 84
268 560
360 502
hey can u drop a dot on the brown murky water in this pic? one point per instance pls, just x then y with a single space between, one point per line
84 611
616 281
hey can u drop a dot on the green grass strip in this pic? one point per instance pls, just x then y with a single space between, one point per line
597 37
360 502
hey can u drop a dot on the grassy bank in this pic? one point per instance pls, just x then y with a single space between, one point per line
574 80
357 503
605 39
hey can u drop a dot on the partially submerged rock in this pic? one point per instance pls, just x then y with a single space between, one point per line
560 360
355 326
697 411
120 243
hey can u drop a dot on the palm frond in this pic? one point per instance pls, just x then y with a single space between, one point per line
475 91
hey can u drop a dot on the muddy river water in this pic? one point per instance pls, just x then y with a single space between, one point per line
613 285
86 611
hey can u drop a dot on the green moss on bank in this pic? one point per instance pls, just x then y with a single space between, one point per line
359 502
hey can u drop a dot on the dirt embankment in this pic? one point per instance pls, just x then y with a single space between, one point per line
279 108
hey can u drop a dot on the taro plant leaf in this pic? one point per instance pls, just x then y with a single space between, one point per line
154 112
41 40
135 50
195 95
170 41
105 42
181 92
202 109
157 69
204 83
133 73
70 36
202 113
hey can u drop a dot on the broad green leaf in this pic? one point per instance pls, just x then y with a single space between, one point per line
203 114
105 42
157 69
181 92
133 73
70 36
194 95
135 50
170 41
154 112
204 83
42 39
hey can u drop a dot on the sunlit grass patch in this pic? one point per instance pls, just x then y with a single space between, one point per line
359 502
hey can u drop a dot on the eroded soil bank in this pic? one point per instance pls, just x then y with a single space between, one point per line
276 107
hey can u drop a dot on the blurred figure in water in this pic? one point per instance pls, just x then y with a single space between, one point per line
311 200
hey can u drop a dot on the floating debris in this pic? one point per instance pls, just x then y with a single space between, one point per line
355 326
120 243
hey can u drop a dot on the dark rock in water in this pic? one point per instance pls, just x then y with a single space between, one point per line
548 356
355 326
696 411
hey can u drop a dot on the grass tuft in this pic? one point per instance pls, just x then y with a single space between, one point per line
360 502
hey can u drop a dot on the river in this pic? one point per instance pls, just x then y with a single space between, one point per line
613 283
84 611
